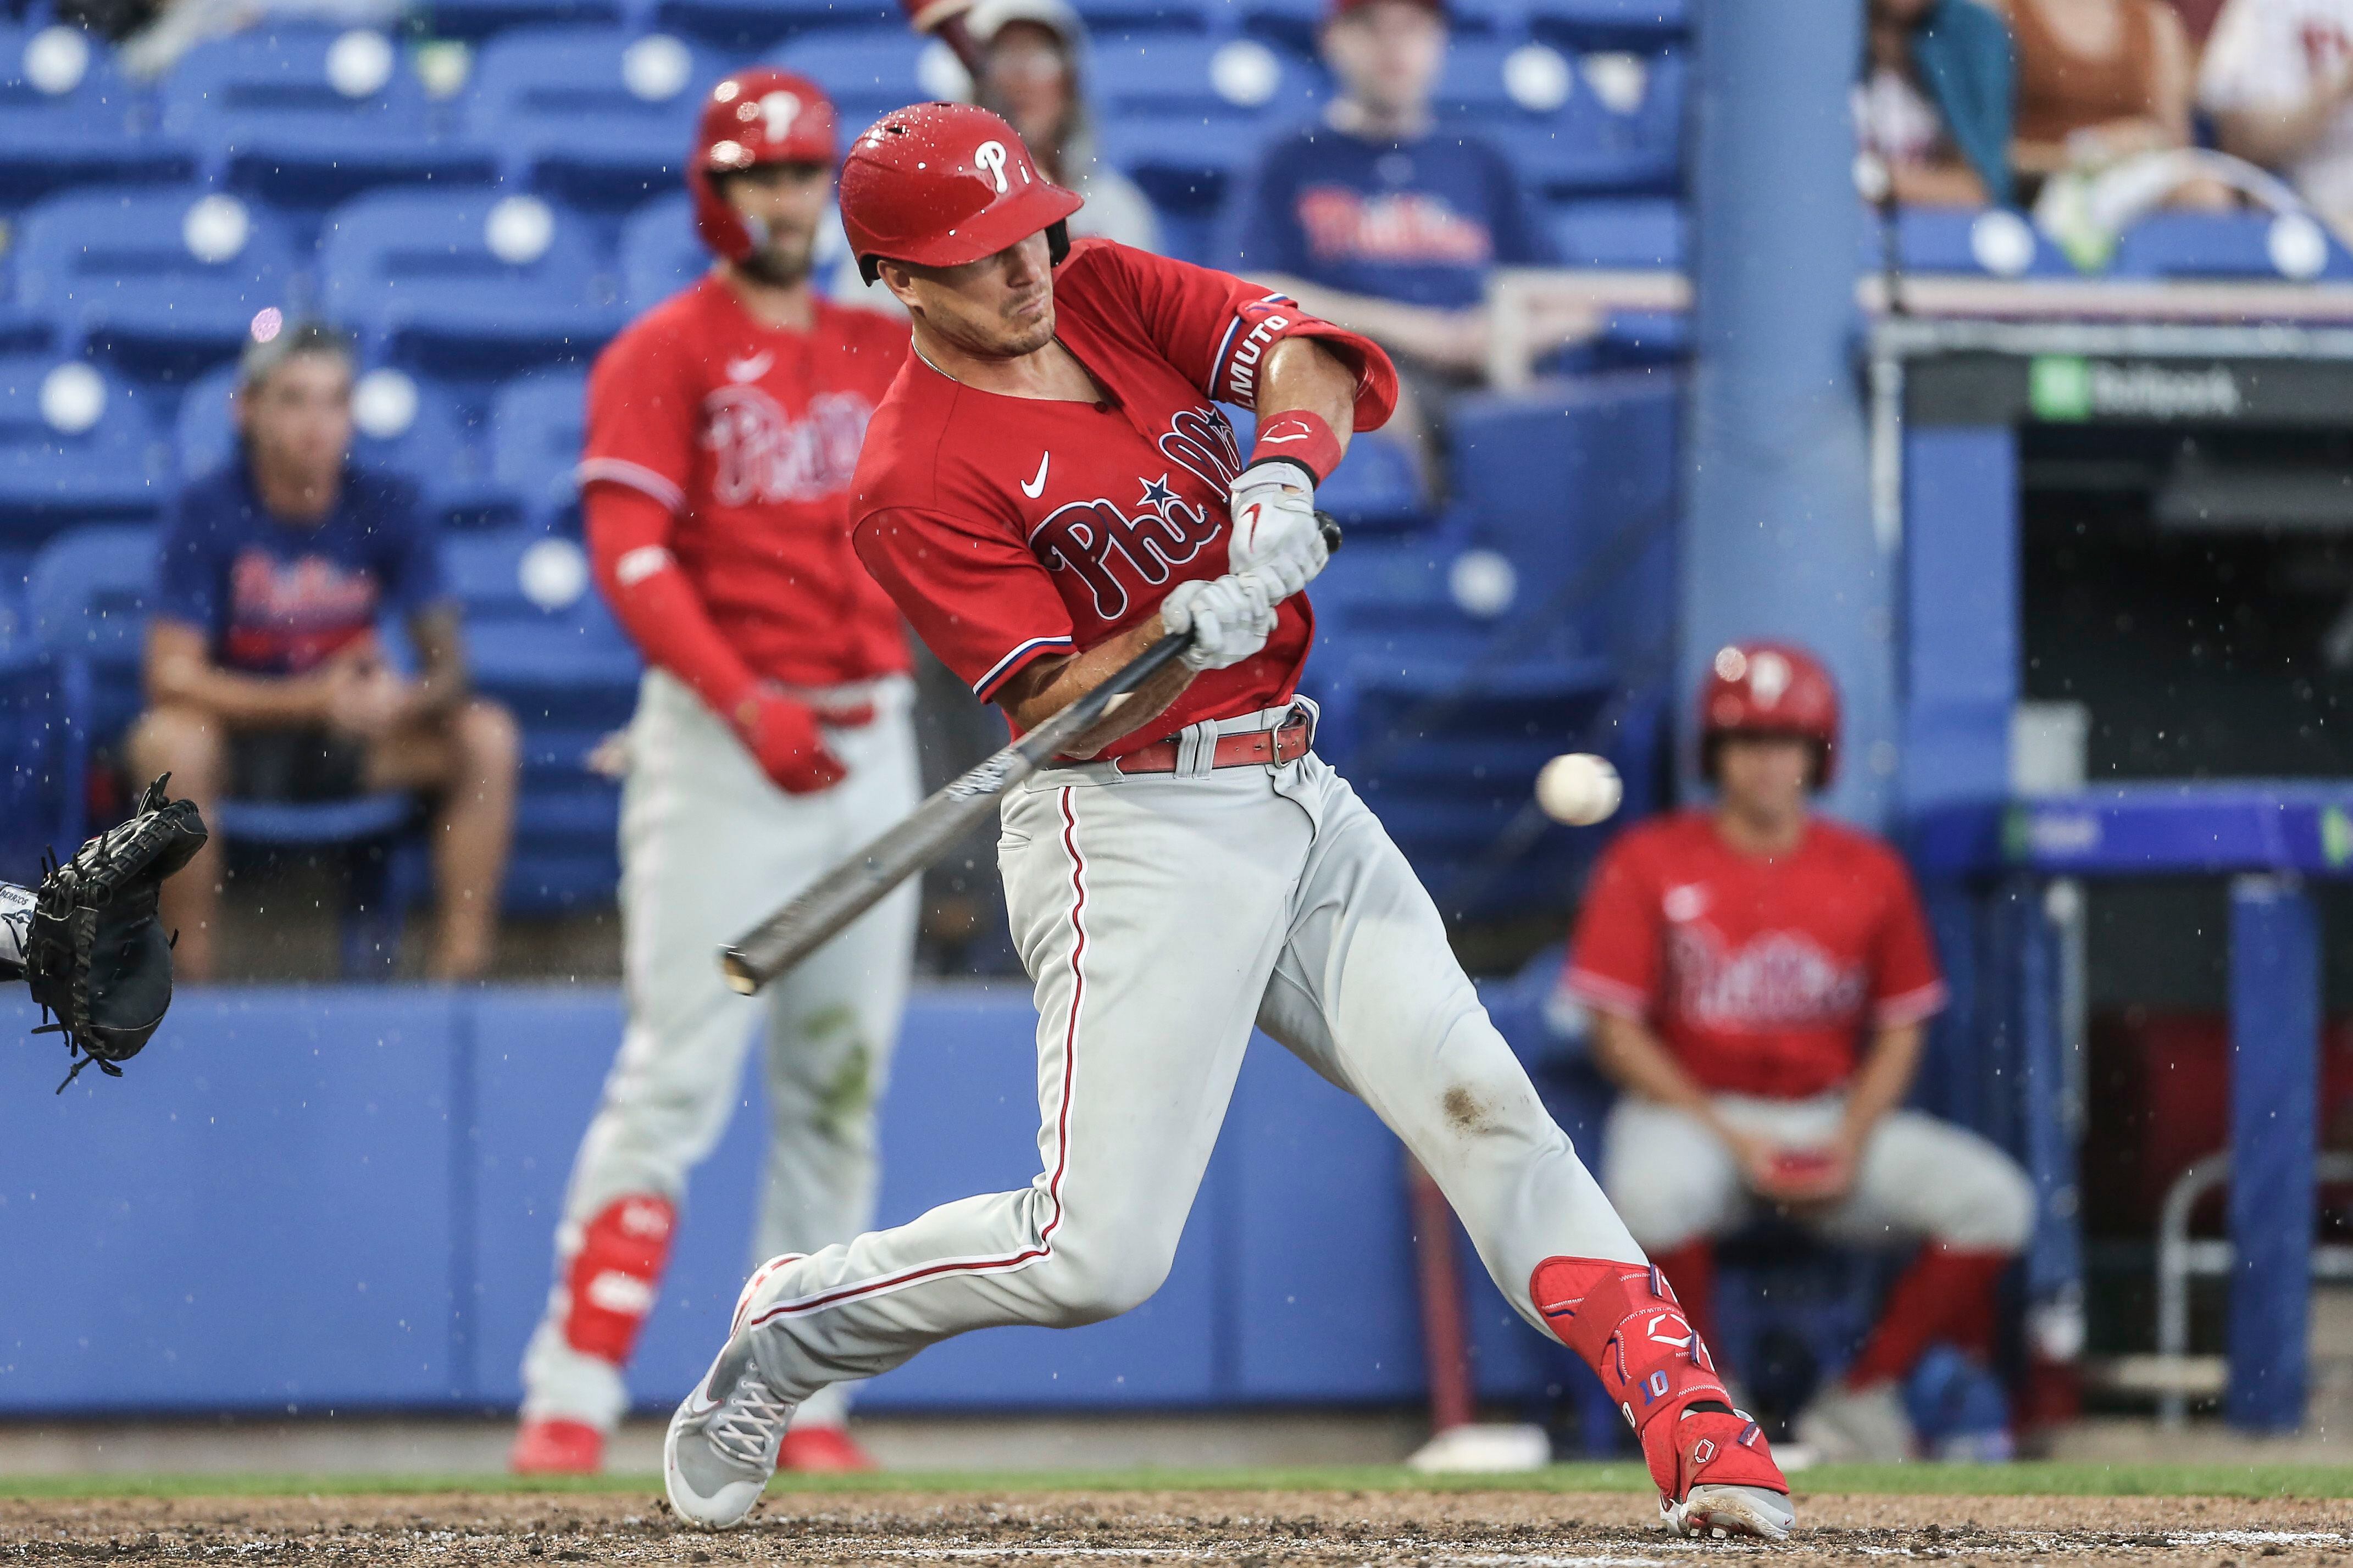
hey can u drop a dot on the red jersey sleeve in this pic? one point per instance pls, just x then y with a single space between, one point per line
1905 984
975 594
1217 330
641 414
1620 949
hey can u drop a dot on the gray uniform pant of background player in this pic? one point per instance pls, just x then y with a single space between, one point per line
1160 917
709 846
1918 1178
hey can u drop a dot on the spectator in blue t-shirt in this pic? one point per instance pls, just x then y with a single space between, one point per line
265 679
1377 219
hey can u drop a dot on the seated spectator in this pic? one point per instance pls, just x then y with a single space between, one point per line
2098 81
265 679
1934 105
2278 79
1034 74
1376 220
1758 977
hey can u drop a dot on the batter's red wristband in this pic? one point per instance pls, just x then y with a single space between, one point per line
1295 436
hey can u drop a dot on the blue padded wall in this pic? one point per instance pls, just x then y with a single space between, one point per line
1961 649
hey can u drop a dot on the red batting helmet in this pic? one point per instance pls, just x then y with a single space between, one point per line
940 184
756 116
1770 689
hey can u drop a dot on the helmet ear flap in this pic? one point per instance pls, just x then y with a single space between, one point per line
1057 240
871 268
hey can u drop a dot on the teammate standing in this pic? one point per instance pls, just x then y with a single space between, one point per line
1759 978
1048 490
772 737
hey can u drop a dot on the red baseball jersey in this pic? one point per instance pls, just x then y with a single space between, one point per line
1760 975
1010 529
749 435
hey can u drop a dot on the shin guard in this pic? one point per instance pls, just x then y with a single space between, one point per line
609 1287
1623 1320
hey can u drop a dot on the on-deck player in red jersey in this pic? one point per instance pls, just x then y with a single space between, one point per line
1759 977
1049 491
772 737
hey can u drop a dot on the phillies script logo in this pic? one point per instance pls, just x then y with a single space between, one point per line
760 454
1780 980
1112 551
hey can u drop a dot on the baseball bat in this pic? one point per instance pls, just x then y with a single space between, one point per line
820 911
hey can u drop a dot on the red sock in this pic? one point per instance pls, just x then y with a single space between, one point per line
1946 1294
610 1287
1691 1272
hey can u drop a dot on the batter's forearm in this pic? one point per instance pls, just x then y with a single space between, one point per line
1304 374
1049 686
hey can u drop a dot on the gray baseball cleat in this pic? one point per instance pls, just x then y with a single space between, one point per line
722 1447
1724 1510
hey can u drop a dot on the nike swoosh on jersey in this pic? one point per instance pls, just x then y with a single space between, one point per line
1035 488
752 368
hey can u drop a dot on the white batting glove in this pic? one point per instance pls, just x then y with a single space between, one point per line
1228 618
1275 531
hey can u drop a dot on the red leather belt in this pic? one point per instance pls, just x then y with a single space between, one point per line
1286 742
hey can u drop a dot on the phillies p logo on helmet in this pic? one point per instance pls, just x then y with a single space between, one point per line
990 155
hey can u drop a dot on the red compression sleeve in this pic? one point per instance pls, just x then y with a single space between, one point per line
628 545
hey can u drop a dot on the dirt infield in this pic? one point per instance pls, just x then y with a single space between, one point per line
1257 1528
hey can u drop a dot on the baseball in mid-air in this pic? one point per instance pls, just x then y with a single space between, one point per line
1579 789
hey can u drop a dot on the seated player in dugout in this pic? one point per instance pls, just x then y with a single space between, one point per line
1380 220
265 677
1047 491
1759 977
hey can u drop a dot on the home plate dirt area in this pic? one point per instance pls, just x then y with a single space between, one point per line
1254 1528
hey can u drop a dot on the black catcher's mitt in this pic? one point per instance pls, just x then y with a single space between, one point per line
95 957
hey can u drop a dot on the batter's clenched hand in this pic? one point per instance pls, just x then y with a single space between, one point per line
1276 534
1228 618
785 739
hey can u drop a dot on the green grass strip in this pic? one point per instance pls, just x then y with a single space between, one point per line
2025 1480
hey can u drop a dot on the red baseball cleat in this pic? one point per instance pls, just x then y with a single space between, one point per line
822 1450
552 1447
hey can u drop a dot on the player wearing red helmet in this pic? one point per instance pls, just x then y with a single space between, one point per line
772 736
1758 978
1050 489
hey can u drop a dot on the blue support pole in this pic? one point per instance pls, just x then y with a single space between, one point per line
1779 540
2275 1067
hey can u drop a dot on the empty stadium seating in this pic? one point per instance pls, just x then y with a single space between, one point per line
598 117
77 444
68 119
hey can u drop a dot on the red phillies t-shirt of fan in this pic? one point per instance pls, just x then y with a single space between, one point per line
749 433
1761 974
1010 529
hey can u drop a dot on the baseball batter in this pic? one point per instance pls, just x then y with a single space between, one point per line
1048 490
772 737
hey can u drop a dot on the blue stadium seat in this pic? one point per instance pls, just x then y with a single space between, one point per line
67 119
412 428
2210 245
1374 489
871 71
1608 24
1637 233
306 116
1607 122
1184 163
541 641
660 252
1109 20
468 284
1992 242
76 446
478 19
743 26
594 117
536 432
1174 76
164 282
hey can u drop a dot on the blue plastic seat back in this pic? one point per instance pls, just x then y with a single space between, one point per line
871 71
536 426
660 252
1603 120
1107 20
76 445
584 109
328 85
1608 24
2208 244
469 282
749 27
479 19
538 634
1637 233
1175 75
88 594
66 117
155 271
